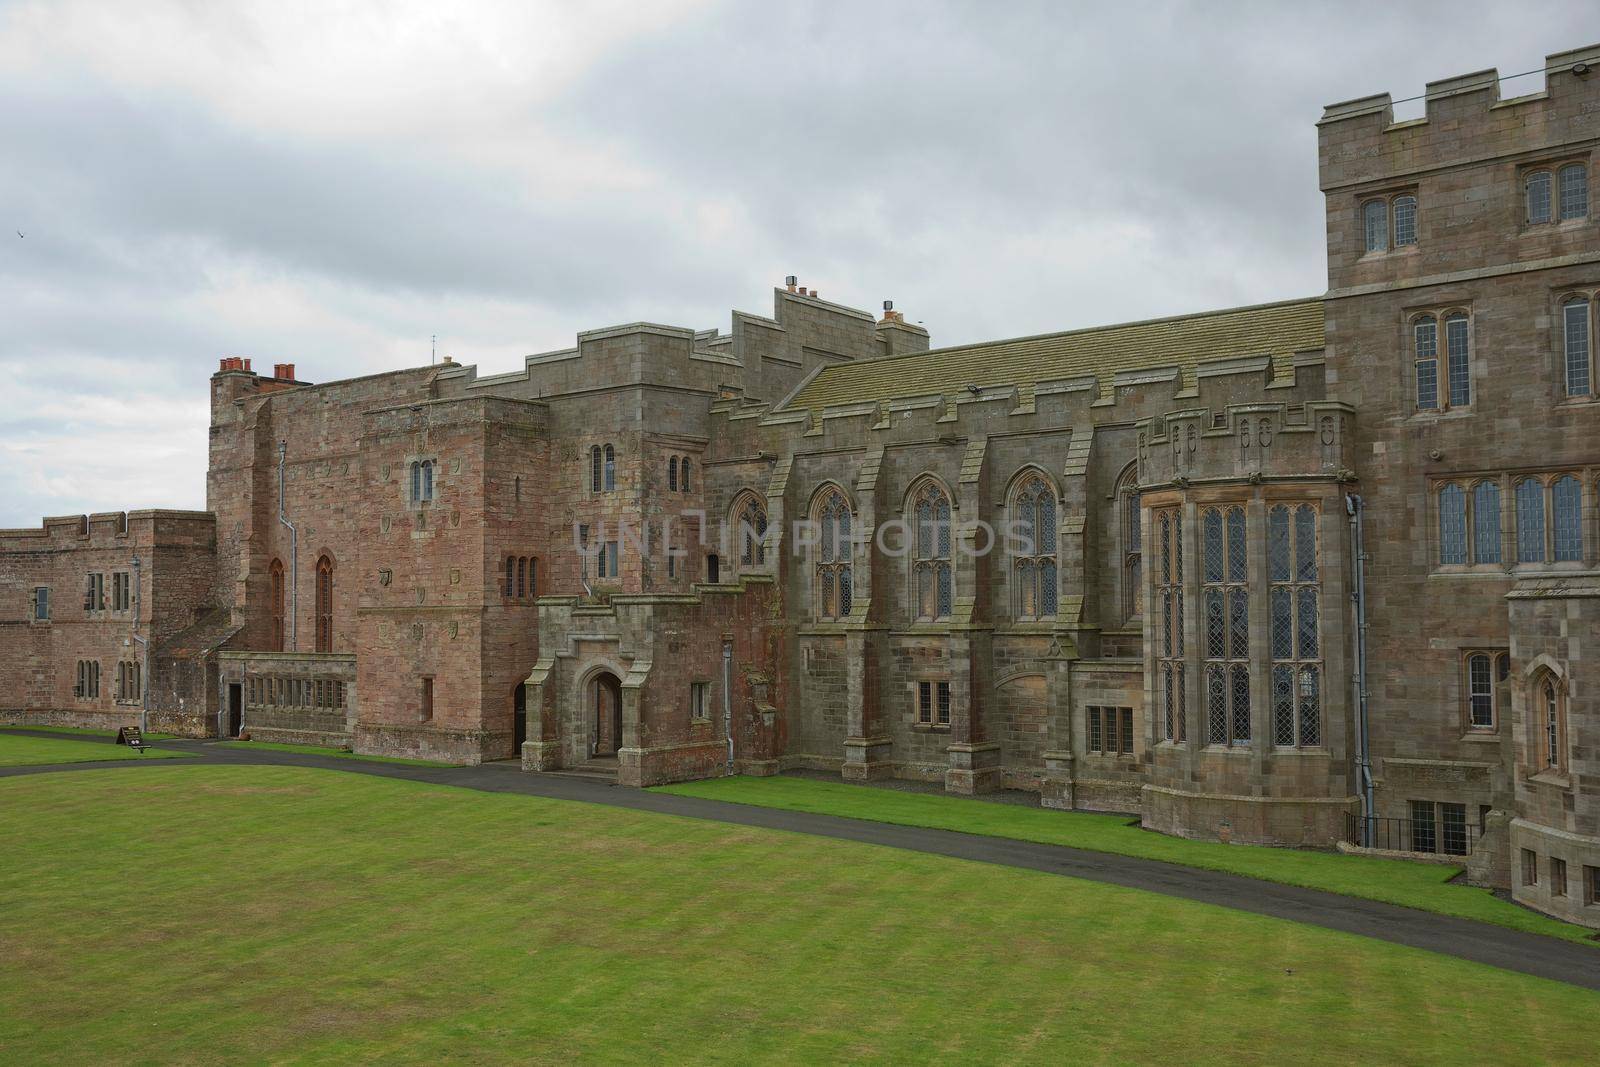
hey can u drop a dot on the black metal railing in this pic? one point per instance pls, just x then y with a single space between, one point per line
1445 836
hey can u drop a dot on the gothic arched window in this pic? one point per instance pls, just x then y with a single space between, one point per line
324 604
750 521
930 552
1033 567
834 555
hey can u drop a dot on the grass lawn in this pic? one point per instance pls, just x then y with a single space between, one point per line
285 913
1414 885
84 731
17 750
319 750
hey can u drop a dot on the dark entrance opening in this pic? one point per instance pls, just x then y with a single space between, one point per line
519 718
607 737
235 708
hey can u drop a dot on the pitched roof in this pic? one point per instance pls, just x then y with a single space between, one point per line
1277 330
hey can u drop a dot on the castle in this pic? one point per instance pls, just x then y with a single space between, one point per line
1305 573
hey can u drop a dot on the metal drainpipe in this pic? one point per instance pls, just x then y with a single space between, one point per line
294 556
144 649
727 696
1353 507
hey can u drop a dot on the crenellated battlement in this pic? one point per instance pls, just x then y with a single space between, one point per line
1466 120
101 529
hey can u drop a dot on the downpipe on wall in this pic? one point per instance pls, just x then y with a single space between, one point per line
294 555
727 697
144 647
1354 507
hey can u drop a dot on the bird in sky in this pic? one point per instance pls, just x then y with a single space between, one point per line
19 233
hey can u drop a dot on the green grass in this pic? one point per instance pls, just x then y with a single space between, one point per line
17 750
289 914
84 731
319 750
1413 885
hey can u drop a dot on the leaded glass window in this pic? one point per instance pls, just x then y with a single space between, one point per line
1574 185
1375 221
1530 521
1227 621
1486 523
1537 189
1169 600
1452 524
1575 322
1405 220
930 555
1034 557
1480 691
1132 532
1294 598
1565 503
834 555
1426 333
751 519
1459 361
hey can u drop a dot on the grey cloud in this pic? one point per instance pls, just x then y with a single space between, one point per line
996 169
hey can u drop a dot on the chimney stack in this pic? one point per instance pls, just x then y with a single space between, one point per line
790 282
283 371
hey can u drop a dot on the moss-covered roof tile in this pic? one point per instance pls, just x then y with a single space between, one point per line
1276 330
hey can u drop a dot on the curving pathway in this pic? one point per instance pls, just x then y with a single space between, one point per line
1546 957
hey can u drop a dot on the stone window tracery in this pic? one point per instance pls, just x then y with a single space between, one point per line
1033 564
1389 223
1457 392
1128 500
1169 623
931 576
834 555
1292 570
1225 593
324 605
750 522
421 481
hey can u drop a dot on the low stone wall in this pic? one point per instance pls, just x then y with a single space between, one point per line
672 763
1293 822
1547 844
431 742
103 719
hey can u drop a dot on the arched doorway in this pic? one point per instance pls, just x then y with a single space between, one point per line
519 718
605 719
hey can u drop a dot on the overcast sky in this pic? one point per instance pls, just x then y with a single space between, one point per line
331 184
